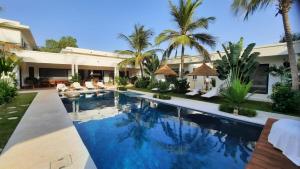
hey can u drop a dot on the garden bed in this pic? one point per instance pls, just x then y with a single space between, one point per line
256 105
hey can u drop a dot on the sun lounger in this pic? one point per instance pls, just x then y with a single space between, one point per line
89 85
211 93
77 86
100 85
61 87
193 92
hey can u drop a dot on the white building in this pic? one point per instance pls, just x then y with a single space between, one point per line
52 68
59 67
273 54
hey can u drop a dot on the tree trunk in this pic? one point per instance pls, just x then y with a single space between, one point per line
182 63
291 51
142 71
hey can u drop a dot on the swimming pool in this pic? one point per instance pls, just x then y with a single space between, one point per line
125 131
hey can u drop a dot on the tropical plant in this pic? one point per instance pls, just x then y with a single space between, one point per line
151 64
75 78
7 91
121 81
236 93
282 71
163 86
283 7
139 42
8 61
186 35
181 85
54 46
284 99
295 37
142 82
236 63
153 84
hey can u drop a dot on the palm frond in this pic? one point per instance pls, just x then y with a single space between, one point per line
205 38
248 7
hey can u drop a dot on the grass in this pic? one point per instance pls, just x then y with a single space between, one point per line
256 105
16 108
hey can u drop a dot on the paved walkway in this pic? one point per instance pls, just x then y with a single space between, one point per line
46 138
212 108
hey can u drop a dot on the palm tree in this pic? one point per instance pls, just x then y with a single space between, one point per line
184 15
283 7
138 42
151 65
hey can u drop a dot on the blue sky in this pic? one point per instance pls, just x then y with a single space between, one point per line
96 23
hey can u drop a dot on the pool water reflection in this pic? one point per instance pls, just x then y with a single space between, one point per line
129 132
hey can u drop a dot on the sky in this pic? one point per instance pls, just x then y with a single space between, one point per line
96 23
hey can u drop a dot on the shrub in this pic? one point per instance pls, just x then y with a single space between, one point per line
285 99
121 81
153 84
162 96
163 86
181 86
75 78
213 82
236 93
226 108
242 111
247 112
142 83
122 88
7 91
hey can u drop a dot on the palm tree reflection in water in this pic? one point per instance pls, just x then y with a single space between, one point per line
190 143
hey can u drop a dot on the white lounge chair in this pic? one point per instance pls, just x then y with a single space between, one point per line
100 85
155 89
193 92
61 87
211 93
89 85
77 86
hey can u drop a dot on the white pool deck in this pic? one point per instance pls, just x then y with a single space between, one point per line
45 138
212 108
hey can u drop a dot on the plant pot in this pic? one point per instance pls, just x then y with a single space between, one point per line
236 111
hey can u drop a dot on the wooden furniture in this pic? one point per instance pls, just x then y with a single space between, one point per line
265 156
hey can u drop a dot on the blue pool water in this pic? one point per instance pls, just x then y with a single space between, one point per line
122 131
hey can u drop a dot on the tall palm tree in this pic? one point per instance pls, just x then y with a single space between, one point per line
184 15
139 42
283 7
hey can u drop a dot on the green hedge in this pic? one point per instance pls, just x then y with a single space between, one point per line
243 111
162 96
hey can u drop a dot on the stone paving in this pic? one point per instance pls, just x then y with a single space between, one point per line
45 138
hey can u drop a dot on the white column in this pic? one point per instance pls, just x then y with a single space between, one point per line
76 68
17 73
116 71
73 70
180 69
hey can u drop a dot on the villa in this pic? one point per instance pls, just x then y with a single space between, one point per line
53 68
110 128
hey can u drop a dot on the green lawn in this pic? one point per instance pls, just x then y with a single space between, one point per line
14 109
264 106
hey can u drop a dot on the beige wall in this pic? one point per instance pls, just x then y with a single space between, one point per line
10 35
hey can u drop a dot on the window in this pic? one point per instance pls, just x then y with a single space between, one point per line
31 71
260 79
50 72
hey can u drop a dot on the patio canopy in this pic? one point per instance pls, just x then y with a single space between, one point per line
165 70
204 70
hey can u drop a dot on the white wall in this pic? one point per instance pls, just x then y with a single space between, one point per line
10 35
